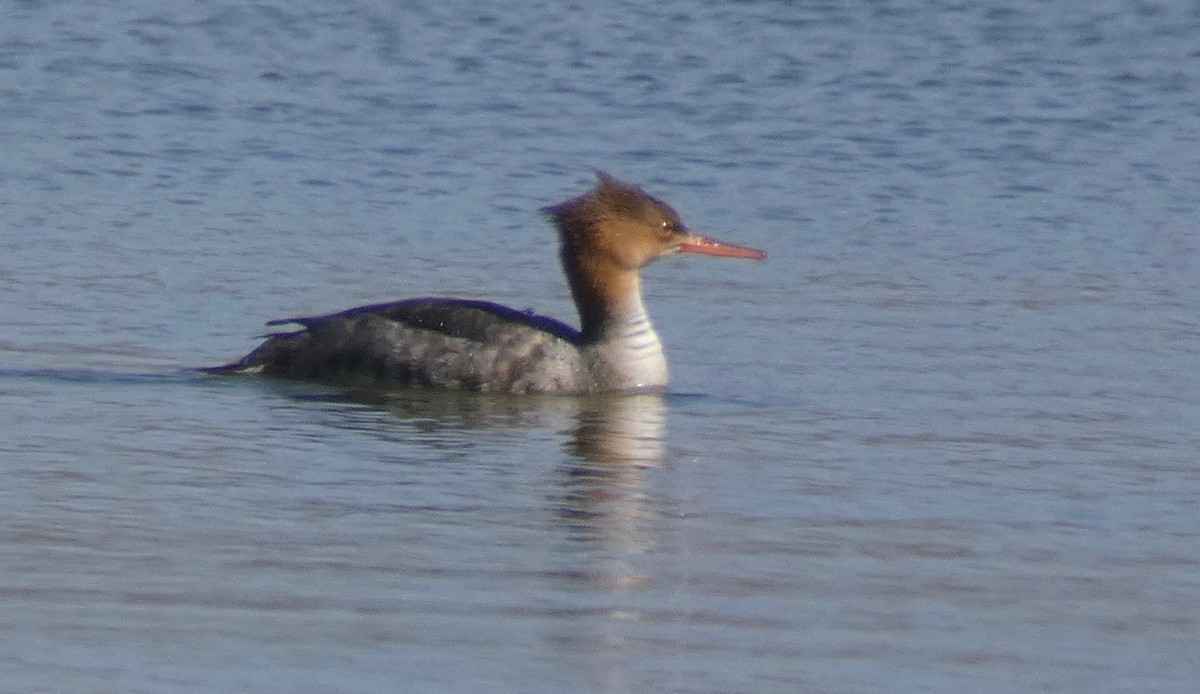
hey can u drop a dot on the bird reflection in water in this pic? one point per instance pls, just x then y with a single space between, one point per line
612 444
604 504
616 441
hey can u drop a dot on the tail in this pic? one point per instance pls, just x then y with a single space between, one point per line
268 353
242 366
231 369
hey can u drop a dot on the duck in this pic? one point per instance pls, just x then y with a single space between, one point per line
606 236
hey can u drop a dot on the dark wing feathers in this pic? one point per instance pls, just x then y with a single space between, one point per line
462 318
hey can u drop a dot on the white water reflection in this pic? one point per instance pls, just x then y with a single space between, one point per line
603 495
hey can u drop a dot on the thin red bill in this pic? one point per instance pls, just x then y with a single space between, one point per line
707 246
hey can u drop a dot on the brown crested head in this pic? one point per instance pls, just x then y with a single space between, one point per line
612 231
627 225
618 220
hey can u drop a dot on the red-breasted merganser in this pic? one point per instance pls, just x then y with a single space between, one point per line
607 236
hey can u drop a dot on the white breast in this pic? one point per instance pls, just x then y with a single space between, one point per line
632 356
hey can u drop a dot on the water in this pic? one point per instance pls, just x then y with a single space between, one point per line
943 440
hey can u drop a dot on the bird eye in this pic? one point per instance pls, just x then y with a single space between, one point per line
668 226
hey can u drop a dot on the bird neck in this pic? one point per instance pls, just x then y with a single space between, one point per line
607 296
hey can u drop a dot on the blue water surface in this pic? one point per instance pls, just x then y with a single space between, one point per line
943 440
